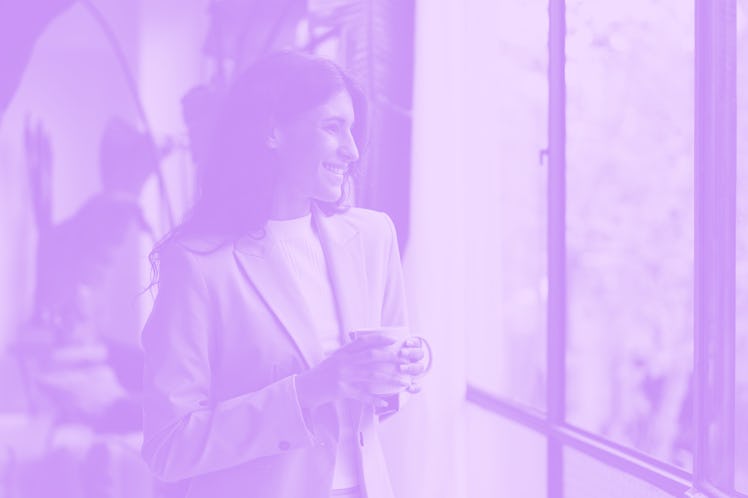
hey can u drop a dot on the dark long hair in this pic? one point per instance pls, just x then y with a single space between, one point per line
237 183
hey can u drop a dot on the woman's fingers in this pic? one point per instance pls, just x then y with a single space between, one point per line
386 361
412 368
369 365
375 356
412 342
412 354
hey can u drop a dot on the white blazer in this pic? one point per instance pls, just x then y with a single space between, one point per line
223 343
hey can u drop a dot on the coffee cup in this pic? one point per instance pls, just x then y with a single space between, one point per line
399 334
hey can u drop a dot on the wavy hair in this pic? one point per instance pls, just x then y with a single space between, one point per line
237 183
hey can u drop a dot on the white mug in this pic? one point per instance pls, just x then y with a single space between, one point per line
399 334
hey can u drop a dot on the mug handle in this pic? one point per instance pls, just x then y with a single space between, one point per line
423 342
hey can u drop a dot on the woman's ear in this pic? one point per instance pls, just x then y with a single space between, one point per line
273 138
272 142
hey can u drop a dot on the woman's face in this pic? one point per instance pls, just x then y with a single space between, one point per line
316 149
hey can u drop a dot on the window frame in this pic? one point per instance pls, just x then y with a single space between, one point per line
715 170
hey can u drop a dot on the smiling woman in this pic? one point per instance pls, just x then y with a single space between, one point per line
314 151
275 131
258 378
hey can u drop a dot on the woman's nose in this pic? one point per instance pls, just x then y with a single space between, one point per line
348 149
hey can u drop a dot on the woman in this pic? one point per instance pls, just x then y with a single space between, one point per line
253 383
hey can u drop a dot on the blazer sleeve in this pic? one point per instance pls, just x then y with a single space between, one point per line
394 307
186 431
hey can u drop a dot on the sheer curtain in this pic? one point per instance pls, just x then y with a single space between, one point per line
425 444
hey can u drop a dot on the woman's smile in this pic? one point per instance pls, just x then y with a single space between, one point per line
316 150
338 169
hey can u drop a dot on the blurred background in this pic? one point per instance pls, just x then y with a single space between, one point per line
540 161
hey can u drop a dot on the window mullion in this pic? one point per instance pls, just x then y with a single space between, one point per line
556 338
714 244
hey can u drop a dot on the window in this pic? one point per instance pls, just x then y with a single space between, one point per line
506 116
647 247
629 223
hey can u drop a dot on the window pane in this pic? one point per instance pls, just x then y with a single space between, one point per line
506 112
741 308
630 222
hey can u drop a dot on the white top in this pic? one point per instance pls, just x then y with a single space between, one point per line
299 245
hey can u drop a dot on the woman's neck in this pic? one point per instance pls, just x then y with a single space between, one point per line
288 205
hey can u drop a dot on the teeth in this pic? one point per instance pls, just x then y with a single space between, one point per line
335 169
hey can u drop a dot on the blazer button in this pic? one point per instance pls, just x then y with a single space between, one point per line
284 445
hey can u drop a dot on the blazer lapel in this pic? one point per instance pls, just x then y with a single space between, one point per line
263 266
344 254
271 277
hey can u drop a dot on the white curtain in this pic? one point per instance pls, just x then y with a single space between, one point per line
425 444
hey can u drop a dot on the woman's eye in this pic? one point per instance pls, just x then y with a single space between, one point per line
332 127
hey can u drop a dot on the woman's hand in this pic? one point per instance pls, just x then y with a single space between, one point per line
417 362
351 372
